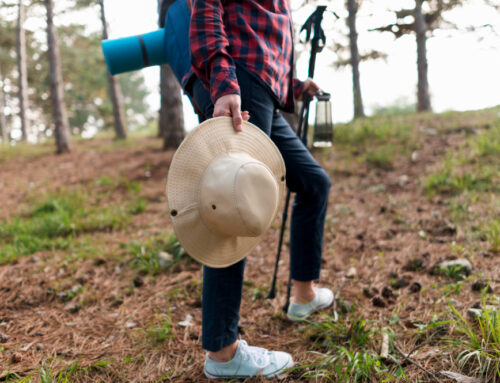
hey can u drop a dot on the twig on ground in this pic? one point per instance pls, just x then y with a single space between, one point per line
384 350
406 357
335 299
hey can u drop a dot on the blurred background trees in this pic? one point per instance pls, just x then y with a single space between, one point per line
83 80
97 102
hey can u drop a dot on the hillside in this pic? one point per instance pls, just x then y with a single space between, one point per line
95 287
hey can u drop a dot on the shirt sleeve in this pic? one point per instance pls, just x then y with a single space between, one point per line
298 88
210 58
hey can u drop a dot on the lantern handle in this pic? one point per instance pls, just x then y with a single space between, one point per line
323 96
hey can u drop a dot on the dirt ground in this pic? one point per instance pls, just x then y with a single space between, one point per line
379 222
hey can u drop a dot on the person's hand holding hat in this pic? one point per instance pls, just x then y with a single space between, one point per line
230 106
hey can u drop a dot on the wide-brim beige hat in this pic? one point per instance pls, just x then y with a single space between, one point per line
224 189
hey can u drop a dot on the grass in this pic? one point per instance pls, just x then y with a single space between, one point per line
146 255
476 343
491 231
26 150
346 352
58 219
68 374
161 330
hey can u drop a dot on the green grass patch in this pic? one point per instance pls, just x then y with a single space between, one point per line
71 373
161 330
148 258
347 352
454 179
476 342
25 150
57 220
491 231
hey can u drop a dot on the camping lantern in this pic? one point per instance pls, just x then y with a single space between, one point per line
323 125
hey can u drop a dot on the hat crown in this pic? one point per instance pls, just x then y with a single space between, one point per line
238 195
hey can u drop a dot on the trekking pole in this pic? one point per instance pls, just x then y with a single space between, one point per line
314 20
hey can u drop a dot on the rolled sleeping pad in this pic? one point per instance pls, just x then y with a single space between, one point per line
135 52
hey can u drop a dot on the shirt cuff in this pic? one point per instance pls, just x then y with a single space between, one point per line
223 79
298 88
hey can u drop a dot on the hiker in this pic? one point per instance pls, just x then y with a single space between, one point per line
242 53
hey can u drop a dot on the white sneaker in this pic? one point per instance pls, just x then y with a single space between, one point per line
322 299
249 361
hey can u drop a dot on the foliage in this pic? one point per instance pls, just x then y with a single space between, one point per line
84 73
55 221
477 342
346 352
146 255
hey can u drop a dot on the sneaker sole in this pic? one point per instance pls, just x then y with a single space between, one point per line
289 365
293 318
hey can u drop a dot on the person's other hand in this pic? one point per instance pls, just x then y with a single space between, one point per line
310 87
230 106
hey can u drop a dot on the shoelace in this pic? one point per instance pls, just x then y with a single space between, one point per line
259 356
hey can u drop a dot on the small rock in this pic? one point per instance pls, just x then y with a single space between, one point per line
4 337
118 270
414 156
351 273
165 260
138 281
187 322
481 285
388 293
130 324
461 266
403 180
415 287
16 357
34 259
379 302
476 311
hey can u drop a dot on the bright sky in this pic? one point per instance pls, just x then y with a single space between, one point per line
463 66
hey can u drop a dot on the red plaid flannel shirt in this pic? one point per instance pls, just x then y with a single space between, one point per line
257 35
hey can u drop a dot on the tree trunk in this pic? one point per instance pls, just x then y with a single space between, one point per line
23 73
3 105
114 88
171 124
171 121
352 7
423 98
61 125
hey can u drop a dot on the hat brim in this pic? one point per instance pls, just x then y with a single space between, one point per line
201 146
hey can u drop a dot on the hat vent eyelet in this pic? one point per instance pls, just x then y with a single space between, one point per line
214 207
282 178
173 213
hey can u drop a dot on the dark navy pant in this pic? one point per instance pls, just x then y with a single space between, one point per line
222 288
